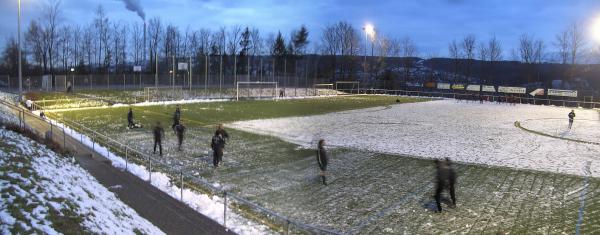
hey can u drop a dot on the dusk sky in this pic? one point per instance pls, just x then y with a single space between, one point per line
432 24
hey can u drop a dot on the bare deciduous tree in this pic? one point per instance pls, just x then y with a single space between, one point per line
454 51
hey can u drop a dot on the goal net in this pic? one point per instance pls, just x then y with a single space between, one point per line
347 87
165 93
60 82
324 89
249 90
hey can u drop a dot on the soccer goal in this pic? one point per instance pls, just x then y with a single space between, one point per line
60 82
164 93
347 87
248 90
323 89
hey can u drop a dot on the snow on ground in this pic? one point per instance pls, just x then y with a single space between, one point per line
583 129
210 206
36 184
465 132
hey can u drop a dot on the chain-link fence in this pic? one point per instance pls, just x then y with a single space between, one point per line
76 134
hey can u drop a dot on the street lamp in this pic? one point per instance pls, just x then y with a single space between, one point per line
19 44
369 30
72 78
595 30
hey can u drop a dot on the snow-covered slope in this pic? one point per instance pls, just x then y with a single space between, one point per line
42 192
466 132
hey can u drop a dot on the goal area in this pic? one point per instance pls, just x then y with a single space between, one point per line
165 93
256 90
324 89
347 87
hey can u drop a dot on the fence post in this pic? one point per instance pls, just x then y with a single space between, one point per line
149 170
181 197
64 138
287 227
126 159
93 142
225 210
51 131
20 121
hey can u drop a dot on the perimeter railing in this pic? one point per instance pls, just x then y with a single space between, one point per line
54 130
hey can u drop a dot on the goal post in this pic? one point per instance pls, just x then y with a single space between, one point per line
350 87
324 89
255 89
163 93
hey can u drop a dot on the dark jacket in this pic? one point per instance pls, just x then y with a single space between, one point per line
217 143
446 176
571 115
130 116
159 132
322 158
176 116
223 134
180 130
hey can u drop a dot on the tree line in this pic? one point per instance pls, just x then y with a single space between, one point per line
342 50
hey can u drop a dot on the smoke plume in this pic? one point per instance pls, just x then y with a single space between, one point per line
135 6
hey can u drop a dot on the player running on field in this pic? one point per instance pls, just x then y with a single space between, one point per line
159 133
446 178
176 117
322 160
571 118
179 131
217 144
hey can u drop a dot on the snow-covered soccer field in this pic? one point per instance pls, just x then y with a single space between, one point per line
465 132
381 178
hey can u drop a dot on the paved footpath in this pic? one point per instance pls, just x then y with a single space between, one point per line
167 213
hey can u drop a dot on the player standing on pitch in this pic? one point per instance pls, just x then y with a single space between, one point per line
446 178
130 123
179 131
322 160
176 117
217 144
571 117
222 132
159 133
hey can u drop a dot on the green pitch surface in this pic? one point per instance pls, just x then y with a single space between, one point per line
368 193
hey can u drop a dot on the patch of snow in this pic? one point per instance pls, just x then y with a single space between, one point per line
465 132
58 178
210 206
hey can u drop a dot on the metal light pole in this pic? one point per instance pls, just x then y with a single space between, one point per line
19 44
366 42
368 30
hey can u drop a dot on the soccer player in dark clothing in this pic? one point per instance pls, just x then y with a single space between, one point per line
322 160
222 132
446 178
176 117
179 131
130 123
571 117
217 144
159 133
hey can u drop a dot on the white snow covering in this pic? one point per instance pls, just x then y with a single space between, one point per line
59 178
174 102
210 206
465 132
